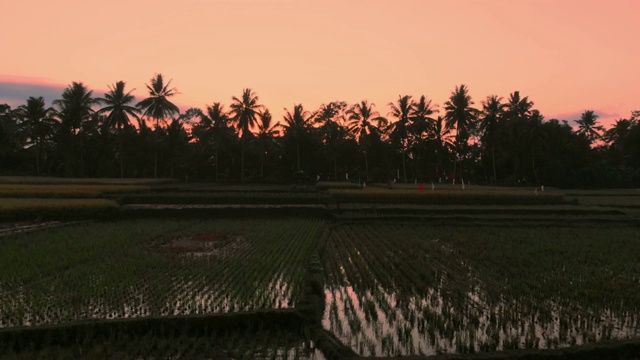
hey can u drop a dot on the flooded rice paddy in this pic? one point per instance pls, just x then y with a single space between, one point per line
446 299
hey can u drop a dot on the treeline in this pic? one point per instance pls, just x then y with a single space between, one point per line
498 141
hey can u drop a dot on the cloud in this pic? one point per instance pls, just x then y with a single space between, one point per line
605 118
16 94
575 115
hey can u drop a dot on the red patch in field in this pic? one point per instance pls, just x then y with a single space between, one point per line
182 248
206 244
209 237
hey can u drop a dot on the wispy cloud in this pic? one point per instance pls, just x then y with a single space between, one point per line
575 115
16 93
605 118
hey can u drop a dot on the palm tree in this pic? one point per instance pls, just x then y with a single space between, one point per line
588 126
618 131
444 140
37 122
492 112
518 108
296 124
158 107
117 106
332 132
9 142
400 128
214 130
421 119
244 112
73 109
535 139
265 135
461 116
361 119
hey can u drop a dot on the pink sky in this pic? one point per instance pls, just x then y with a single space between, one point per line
566 55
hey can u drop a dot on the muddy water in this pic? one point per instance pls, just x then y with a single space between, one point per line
379 323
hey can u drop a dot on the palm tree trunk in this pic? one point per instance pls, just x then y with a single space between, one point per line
533 165
404 166
262 164
37 158
121 152
81 157
335 167
242 162
216 164
493 160
155 152
298 152
366 165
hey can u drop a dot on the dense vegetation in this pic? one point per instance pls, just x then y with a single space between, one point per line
499 141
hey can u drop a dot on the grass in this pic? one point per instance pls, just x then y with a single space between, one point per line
12 209
66 190
38 180
447 196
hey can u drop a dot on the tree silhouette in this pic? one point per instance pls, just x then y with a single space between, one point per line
400 132
296 125
118 111
518 108
460 115
361 119
159 108
37 122
214 130
444 140
73 109
10 144
421 118
265 136
244 112
492 112
331 117
588 126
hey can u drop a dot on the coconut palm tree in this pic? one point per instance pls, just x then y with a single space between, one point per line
37 122
400 132
364 122
9 142
244 111
118 112
214 129
158 107
518 108
460 115
444 141
588 126
265 136
73 109
535 140
421 119
296 124
330 119
492 112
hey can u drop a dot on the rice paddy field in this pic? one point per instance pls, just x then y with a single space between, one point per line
395 290
381 274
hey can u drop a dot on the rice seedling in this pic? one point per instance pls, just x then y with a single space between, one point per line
438 289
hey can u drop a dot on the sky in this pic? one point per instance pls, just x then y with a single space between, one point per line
567 56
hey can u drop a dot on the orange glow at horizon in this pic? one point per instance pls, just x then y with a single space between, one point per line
567 56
